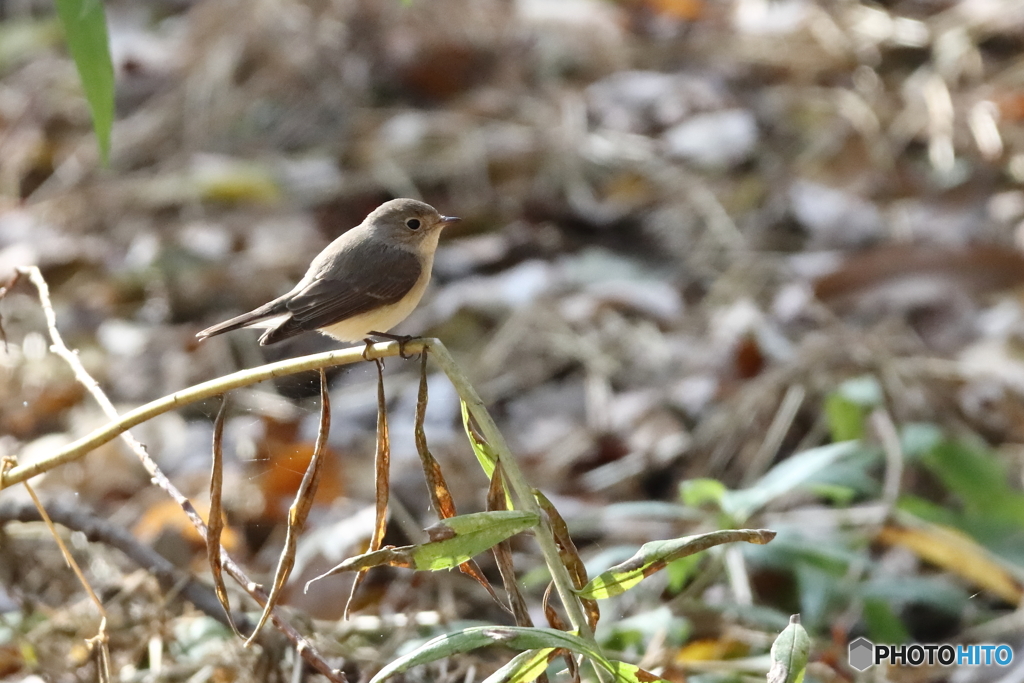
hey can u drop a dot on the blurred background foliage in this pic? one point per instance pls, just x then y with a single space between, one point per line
723 263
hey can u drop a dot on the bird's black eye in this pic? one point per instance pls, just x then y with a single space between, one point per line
413 224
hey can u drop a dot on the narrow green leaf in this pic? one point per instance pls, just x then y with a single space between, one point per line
698 492
523 668
979 479
654 556
845 418
836 495
884 626
462 537
792 473
455 540
484 453
680 571
789 653
85 25
514 637
937 593
631 673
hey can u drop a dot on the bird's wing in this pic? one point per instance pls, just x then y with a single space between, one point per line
353 285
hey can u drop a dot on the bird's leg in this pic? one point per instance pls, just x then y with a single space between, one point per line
402 340
369 342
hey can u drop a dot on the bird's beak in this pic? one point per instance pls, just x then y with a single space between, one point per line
448 220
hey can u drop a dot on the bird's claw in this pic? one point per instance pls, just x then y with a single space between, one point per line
402 340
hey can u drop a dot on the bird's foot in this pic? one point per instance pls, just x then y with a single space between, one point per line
402 340
366 349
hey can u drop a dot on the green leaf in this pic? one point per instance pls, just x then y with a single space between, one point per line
85 25
820 591
523 668
514 637
483 451
845 418
465 536
792 473
631 673
789 653
927 510
839 496
978 479
937 593
865 391
637 632
919 438
652 557
698 492
680 571
884 626
453 541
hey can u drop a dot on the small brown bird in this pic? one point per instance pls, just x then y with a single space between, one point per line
362 284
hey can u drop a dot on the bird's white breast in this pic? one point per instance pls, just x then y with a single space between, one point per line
384 318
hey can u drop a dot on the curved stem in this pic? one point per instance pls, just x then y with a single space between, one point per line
198 392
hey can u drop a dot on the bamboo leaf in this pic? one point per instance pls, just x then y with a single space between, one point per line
85 25
457 539
514 637
523 668
654 556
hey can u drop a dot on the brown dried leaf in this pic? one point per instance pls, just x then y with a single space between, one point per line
215 520
503 554
570 556
382 468
299 510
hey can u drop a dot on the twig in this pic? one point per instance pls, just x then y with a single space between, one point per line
890 438
776 434
101 641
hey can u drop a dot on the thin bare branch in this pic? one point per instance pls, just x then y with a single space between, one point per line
100 642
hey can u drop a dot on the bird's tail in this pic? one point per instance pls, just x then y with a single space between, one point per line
254 317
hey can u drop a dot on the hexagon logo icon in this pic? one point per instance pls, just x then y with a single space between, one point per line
862 654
